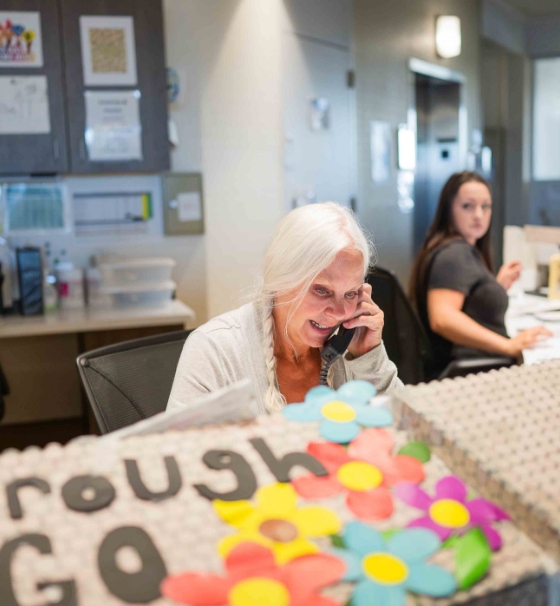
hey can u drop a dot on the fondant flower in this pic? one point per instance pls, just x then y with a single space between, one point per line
450 512
254 579
365 471
386 570
341 412
276 523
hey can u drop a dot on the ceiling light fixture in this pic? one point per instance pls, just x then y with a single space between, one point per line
448 36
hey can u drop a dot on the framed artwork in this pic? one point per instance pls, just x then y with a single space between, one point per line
108 51
21 44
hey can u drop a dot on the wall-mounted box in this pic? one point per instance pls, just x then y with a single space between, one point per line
183 209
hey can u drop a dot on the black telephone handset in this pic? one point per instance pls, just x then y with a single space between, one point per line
334 347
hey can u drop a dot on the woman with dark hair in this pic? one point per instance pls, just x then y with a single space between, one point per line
460 301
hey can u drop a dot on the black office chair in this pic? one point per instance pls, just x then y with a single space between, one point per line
404 336
130 381
469 366
406 340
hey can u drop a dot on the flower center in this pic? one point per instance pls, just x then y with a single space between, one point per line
280 531
385 568
449 513
339 412
359 476
259 591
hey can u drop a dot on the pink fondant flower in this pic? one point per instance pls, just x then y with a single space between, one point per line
253 577
450 512
365 471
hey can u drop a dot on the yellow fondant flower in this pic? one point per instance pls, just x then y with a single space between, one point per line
276 522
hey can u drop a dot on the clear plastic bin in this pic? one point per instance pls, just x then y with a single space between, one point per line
141 270
140 295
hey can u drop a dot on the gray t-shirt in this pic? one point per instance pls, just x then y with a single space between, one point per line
458 266
229 348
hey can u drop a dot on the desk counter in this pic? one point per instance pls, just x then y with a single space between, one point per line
38 355
86 320
526 311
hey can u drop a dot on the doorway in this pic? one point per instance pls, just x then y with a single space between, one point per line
439 131
318 123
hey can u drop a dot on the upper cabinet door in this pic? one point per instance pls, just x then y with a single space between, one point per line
119 83
32 119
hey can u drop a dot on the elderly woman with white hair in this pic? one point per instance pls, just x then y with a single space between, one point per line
313 281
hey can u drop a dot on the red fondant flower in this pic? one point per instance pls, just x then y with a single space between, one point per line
253 579
364 471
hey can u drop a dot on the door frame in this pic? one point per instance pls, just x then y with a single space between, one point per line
419 66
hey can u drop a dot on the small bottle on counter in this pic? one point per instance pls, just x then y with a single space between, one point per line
50 293
70 286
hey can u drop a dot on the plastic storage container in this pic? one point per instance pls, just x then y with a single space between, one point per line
96 298
140 295
141 270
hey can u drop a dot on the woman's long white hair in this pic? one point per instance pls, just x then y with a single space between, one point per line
304 244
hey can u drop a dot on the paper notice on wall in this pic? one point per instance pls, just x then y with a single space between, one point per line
380 151
119 213
24 105
113 128
21 43
189 206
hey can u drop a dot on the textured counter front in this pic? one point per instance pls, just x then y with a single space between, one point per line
499 431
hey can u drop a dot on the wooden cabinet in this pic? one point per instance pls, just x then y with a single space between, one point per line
152 83
39 153
64 150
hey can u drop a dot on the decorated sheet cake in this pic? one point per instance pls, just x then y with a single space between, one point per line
500 432
323 504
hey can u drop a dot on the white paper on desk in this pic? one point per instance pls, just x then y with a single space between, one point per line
189 206
24 105
232 404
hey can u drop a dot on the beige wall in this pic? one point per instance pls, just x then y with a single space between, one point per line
387 35
241 142
181 53
228 118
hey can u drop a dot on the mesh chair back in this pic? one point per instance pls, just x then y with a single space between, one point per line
403 334
130 381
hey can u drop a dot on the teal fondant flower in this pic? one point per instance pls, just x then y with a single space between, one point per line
385 570
341 412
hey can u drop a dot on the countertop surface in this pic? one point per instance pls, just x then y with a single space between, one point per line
526 311
85 320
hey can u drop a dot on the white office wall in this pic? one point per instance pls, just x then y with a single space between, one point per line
181 53
546 120
543 36
227 54
229 118
504 25
387 35
325 20
241 141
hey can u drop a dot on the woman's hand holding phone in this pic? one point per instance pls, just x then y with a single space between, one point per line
368 320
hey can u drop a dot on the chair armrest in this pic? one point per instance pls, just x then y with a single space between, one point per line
467 366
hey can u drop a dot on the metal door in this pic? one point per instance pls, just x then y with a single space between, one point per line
438 152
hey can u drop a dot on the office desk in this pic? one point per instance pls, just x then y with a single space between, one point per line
38 355
523 312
